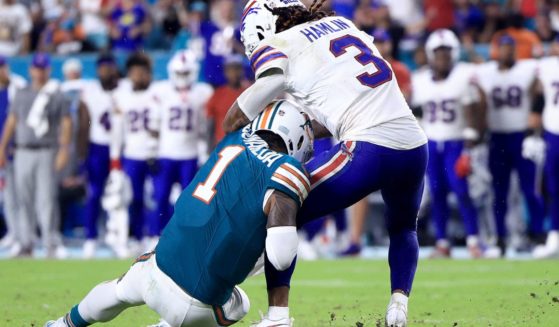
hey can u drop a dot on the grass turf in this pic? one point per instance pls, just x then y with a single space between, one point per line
324 293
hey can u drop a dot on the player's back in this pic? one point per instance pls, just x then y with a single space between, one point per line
337 74
218 230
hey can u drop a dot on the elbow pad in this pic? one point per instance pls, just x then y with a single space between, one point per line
281 246
254 99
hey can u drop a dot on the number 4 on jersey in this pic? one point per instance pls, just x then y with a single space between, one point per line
206 191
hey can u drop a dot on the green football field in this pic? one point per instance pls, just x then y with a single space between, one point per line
324 293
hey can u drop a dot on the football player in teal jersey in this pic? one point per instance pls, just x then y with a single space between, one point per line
243 202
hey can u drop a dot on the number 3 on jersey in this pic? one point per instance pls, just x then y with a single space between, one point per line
382 75
206 191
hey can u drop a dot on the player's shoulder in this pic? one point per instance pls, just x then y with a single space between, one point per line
527 64
421 75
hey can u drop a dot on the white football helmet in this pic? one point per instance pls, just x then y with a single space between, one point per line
183 69
286 119
258 23
442 38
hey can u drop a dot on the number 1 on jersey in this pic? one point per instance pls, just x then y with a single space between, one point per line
206 191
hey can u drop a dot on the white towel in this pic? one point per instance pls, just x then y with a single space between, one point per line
37 118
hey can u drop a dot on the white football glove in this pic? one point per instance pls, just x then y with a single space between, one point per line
533 148
118 191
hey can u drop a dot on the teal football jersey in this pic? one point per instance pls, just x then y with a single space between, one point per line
218 229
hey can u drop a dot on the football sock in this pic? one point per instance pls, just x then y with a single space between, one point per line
402 257
101 304
73 318
278 313
275 278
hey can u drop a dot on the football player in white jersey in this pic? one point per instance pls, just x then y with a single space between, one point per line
134 135
548 76
448 101
337 74
182 101
97 98
508 88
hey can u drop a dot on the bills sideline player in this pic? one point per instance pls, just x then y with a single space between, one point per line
181 142
508 87
336 73
548 77
97 98
243 200
134 136
448 102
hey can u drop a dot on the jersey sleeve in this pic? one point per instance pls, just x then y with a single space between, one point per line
291 178
268 56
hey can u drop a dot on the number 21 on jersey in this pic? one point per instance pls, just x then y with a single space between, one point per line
206 191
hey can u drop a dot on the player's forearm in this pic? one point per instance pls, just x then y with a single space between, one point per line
319 130
282 240
8 132
253 100
65 132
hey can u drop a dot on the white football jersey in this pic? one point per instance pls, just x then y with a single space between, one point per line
335 72
179 119
548 74
508 94
99 105
138 109
443 102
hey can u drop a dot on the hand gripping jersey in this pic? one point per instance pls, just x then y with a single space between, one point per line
336 73
443 101
100 105
548 73
179 119
508 94
218 229
138 109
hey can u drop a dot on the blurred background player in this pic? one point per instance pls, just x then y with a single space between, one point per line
134 136
40 123
360 210
224 96
181 128
448 101
244 201
98 99
508 88
549 78
9 84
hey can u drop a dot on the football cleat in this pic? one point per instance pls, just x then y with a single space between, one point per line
266 322
161 323
56 323
441 251
89 248
550 249
397 311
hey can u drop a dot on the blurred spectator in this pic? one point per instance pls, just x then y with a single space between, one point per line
468 19
554 15
129 23
494 20
383 42
528 44
63 35
439 14
407 13
225 96
383 22
344 7
543 28
166 23
40 123
15 25
93 22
